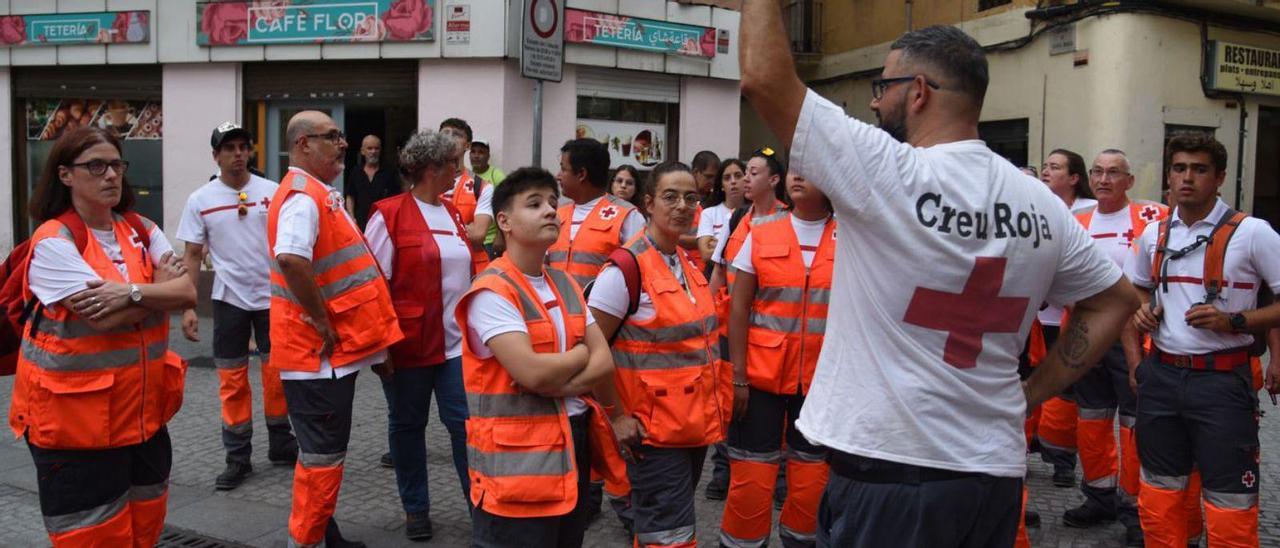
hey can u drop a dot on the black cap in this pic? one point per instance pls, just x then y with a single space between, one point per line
227 130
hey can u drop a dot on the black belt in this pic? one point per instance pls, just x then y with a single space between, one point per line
869 470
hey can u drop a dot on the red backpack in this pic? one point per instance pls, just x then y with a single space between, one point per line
14 309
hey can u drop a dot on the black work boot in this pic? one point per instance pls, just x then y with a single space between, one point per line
1086 516
1031 518
333 537
417 526
233 476
1133 536
1064 476
387 461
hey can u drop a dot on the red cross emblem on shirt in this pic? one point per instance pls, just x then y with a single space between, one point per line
266 201
470 186
966 316
608 212
1129 236
1248 479
1149 213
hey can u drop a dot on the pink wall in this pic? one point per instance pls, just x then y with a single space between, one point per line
215 89
6 164
709 117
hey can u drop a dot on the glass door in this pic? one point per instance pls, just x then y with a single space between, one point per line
278 115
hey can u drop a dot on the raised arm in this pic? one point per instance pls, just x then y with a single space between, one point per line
769 79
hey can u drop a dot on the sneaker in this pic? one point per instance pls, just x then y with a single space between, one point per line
1133 536
333 537
1031 518
233 476
717 488
387 461
285 455
1064 476
1085 516
417 526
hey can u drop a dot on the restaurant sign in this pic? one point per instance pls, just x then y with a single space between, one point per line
1246 69
66 29
314 21
620 31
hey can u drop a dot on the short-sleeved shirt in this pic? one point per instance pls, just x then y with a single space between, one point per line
484 204
58 270
632 225
366 192
296 233
714 219
490 315
455 263
1252 257
237 243
610 294
943 244
808 234
1051 314
495 177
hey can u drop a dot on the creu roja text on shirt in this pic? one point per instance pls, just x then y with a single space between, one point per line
1002 222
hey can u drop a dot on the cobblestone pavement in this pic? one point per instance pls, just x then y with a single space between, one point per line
255 514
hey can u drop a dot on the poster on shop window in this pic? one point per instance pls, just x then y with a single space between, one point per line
639 145
48 119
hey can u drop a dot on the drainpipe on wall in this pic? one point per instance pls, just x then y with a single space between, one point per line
1244 116
908 15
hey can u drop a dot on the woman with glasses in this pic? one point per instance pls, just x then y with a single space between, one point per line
625 183
96 383
673 389
420 243
776 329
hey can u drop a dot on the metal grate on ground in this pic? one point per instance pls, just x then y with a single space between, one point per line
173 537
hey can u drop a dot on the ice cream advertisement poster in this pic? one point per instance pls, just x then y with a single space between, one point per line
640 145
48 119
314 21
65 29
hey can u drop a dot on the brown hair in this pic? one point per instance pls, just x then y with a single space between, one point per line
1195 141
51 198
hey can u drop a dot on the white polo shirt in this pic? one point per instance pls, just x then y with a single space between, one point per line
237 244
945 253
1253 256
713 219
1052 314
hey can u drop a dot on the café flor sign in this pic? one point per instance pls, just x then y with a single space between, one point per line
314 21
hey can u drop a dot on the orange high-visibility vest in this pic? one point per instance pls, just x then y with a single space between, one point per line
354 291
81 388
464 200
731 247
601 232
519 444
669 372
789 316
1141 213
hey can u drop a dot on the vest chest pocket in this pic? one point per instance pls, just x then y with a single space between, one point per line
531 461
355 311
766 353
74 410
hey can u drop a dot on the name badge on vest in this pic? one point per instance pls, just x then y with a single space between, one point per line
334 201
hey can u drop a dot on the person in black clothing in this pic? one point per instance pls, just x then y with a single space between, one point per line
370 181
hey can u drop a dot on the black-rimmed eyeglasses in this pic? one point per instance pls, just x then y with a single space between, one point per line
334 136
98 168
879 85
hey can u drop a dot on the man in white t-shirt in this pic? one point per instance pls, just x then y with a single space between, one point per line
229 215
944 255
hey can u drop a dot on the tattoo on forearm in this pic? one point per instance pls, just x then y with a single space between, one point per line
1074 345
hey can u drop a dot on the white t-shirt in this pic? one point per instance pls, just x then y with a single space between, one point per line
484 204
610 294
808 233
57 270
296 232
1052 313
490 315
1113 232
455 263
632 225
713 219
1251 257
237 244
936 241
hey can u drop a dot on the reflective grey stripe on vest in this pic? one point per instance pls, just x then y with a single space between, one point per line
1231 501
509 405
522 463
801 456
1104 482
640 246
730 541
334 288
572 303
663 360
801 539
755 221
817 295
557 257
529 307
86 518
1096 414
299 182
588 258
338 257
767 457
321 460
1171 483
90 361
148 492
815 326
232 363
671 333
74 327
1060 448
670 536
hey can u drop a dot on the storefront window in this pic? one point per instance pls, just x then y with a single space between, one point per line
637 133
138 124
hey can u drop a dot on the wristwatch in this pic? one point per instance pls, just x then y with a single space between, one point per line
135 293
1237 321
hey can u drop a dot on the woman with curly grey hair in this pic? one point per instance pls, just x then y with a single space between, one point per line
419 241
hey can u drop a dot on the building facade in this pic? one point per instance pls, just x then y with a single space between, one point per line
654 79
1083 76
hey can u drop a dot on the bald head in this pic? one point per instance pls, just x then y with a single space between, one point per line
304 123
371 150
316 145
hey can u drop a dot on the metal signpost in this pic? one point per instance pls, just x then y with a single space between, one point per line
541 55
